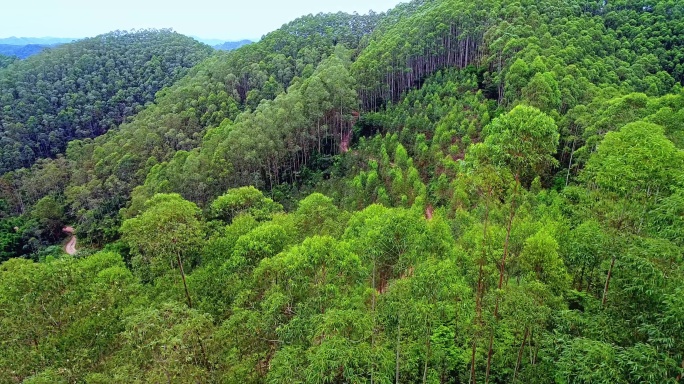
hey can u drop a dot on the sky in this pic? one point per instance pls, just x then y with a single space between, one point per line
216 19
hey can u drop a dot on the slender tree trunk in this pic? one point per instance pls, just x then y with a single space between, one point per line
467 46
472 379
480 290
489 355
180 267
22 208
530 345
396 367
520 353
511 216
605 289
501 83
572 152
373 334
643 214
502 270
427 356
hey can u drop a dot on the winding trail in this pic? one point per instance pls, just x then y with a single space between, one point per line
70 247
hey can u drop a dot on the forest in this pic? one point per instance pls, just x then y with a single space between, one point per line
446 192
81 90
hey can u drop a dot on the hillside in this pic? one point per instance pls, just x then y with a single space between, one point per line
82 89
449 192
97 177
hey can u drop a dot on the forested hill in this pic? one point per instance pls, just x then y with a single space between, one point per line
82 89
97 177
449 192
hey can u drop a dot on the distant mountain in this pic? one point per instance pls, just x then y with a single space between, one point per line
231 45
23 47
211 42
23 51
36 40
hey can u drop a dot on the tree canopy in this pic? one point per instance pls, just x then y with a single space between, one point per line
81 90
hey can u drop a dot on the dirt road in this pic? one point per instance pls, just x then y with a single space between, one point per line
70 247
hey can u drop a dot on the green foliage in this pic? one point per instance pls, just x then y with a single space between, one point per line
638 160
6 60
247 200
525 140
155 148
10 238
164 342
48 213
540 258
317 215
504 204
60 317
82 89
263 241
167 229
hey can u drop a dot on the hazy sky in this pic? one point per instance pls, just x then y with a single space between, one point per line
228 19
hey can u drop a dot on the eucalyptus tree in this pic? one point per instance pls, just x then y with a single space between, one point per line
634 169
166 232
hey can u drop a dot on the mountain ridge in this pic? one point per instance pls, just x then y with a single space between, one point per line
232 45
24 51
